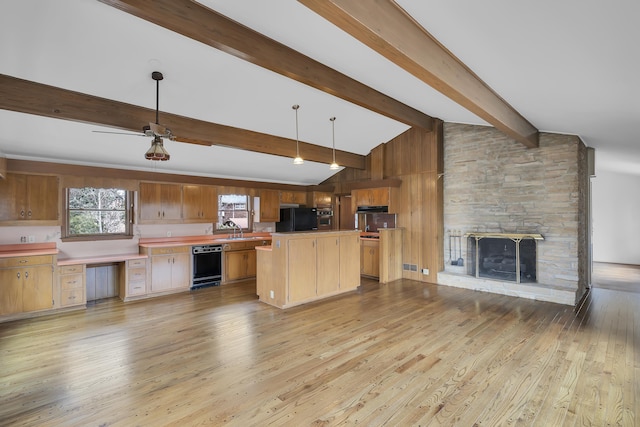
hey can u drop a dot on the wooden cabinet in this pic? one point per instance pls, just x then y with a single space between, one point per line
26 284
29 197
170 269
160 202
320 199
133 279
293 197
370 257
383 196
309 266
328 262
199 202
239 260
269 206
72 285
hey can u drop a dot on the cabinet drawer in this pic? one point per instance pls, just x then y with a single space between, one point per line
170 250
137 288
71 281
137 263
71 297
137 275
71 269
26 260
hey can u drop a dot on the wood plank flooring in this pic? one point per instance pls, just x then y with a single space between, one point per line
402 354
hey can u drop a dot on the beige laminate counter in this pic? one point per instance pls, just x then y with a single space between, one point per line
28 249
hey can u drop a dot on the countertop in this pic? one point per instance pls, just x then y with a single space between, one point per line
28 249
165 242
100 259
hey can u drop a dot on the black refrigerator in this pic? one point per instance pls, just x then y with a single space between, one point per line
297 219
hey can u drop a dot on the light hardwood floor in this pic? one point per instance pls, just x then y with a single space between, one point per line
406 353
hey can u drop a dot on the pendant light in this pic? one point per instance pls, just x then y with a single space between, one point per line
157 150
334 165
298 160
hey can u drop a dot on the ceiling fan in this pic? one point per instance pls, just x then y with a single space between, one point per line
154 130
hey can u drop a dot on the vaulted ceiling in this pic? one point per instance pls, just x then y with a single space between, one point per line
73 67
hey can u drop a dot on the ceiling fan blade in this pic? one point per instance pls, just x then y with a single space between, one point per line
118 133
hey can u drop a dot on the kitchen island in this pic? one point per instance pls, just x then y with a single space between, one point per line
300 267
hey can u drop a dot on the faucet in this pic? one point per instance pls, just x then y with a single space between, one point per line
235 226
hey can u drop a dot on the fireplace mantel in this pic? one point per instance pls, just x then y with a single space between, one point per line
512 236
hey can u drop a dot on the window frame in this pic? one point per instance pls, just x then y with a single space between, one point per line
219 226
128 211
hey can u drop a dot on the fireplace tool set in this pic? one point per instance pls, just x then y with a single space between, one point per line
455 236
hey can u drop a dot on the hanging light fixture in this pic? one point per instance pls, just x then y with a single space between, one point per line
298 160
157 150
334 165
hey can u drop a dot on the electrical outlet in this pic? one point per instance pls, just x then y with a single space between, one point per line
168 234
23 239
271 294
425 271
31 239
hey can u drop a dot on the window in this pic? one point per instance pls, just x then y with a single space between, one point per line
98 213
234 208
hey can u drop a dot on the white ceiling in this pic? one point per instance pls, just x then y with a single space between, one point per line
567 67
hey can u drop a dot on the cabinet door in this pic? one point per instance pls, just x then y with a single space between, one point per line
370 258
37 288
161 273
180 277
269 206
235 266
12 197
192 202
11 290
379 196
42 194
171 196
209 197
321 199
252 263
302 269
349 262
328 255
150 202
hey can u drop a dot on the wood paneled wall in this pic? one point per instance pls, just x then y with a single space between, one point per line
416 158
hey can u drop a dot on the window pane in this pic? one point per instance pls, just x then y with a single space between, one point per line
234 208
97 211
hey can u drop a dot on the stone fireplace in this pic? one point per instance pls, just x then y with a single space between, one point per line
504 198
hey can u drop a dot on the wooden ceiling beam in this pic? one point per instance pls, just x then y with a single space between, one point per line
25 96
200 23
386 28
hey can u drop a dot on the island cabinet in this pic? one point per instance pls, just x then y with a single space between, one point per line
199 202
306 266
26 284
170 269
29 198
269 206
160 202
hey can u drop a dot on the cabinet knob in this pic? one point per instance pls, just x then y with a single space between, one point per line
18 274
29 214
22 213
26 274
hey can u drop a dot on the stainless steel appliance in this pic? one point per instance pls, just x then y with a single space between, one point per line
207 266
325 219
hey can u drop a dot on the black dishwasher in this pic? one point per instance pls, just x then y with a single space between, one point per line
207 266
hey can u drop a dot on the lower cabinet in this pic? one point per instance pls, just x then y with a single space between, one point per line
170 269
370 257
26 284
72 285
133 279
239 265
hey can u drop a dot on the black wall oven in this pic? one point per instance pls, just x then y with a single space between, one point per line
207 266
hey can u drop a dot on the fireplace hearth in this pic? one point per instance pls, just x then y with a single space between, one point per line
503 256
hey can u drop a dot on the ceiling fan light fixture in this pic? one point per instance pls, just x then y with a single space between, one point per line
297 160
333 165
157 151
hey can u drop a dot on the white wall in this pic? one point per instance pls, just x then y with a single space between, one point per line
616 217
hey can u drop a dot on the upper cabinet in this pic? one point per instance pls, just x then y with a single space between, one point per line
160 202
29 197
320 199
382 196
269 206
199 202
293 197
